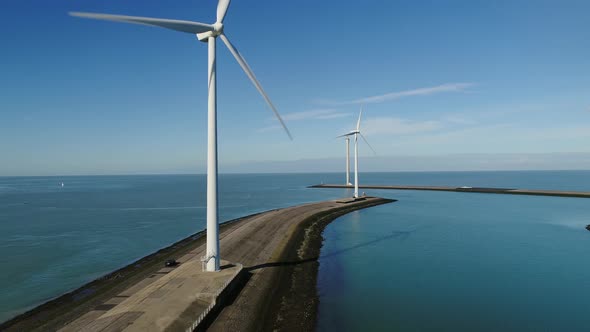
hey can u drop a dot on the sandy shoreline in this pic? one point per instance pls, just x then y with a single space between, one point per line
278 248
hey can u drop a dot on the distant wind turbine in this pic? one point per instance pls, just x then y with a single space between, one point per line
356 133
205 33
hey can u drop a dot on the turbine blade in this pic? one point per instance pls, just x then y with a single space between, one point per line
363 136
222 6
344 135
358 123
250 74
183 26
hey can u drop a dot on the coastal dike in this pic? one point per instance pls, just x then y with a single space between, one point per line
267 281
481 190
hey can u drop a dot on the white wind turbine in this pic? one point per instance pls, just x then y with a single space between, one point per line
356 133
205 33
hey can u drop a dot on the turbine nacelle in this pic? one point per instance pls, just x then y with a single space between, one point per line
217 30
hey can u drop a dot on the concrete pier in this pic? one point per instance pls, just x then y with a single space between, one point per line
509 191
178 301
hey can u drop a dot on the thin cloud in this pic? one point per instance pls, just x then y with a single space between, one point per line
497 138
333 116
448 87
320 114
397 126
459 120
269 128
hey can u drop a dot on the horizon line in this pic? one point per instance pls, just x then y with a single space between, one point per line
303 172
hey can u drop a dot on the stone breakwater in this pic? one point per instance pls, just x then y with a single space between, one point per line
465 189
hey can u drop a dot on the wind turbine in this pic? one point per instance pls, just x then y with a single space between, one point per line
357 132
205 33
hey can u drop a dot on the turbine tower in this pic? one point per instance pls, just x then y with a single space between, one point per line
206 33
357 132
347 138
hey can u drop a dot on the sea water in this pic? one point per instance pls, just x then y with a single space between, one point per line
446 261
432 260
56 238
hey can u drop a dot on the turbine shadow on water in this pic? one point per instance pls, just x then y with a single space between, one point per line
401 235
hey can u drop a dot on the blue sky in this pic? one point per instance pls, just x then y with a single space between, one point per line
506 78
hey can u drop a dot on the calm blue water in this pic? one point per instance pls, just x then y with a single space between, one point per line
443 261
438 261
55 239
